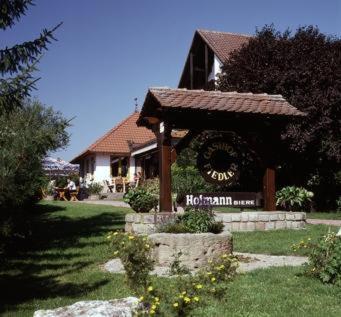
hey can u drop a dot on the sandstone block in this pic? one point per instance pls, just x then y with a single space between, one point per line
196 248
269 225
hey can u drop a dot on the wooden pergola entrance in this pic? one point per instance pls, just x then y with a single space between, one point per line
257 118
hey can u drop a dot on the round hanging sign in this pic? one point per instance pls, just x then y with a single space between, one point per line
217 162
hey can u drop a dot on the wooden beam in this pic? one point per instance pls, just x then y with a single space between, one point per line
191 69
269 189
206 66
164 145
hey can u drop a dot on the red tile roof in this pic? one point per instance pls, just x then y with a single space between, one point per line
116 141
221 102
223 43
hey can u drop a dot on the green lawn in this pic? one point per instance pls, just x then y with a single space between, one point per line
278 241
61 265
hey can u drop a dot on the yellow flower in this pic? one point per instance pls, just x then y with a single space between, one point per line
224 256
109 236
209 261
213 279
144 239
150 288
309 239
212 290
147 246
196 298
131 237
176 305
115 233
152 312
141 298
187 299
116 252
209 273
222 266
198 286
153 307
181 296
156 299
183 293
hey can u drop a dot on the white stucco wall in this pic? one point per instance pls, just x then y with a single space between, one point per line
102 167
132 168
216 69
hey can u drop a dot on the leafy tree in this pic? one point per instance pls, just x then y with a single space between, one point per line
305 68
28 130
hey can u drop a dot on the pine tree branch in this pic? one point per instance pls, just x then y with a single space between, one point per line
12 10
27 52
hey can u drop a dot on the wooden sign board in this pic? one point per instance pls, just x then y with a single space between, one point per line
229 199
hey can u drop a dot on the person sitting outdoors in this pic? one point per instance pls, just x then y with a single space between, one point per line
71 186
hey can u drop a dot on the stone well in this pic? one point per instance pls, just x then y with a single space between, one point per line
196 248
145 223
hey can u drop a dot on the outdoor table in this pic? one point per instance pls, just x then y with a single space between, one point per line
61 193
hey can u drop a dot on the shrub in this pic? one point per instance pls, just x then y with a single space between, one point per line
94 188
338 204
61 181
294 198
151 185
324 258
187 180
192 290
140 200
198 219
135 254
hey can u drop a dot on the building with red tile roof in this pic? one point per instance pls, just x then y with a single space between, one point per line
127 149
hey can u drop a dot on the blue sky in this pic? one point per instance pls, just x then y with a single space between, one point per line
110 51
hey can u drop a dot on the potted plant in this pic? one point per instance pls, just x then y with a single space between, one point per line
94 189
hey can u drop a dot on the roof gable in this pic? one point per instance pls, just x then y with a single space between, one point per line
220 44
117 139
216 101
223 43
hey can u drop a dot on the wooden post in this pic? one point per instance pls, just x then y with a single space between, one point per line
191 70
164 145
269 189
206 66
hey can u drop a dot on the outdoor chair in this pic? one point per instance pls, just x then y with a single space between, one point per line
74 194
110 187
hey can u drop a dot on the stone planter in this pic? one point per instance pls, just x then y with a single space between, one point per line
261 220
145 223
196 248
242 221
93 197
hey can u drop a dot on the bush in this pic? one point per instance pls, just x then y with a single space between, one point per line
338 204
151 185
191 291
294 198
140 200
194 220
94 188
324 258
187 180
135 254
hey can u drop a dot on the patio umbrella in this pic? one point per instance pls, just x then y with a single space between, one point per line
58 167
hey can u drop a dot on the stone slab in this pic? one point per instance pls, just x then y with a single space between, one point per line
124 307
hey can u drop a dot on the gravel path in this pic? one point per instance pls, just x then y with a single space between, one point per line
115 203
261 261
328 222
255 261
